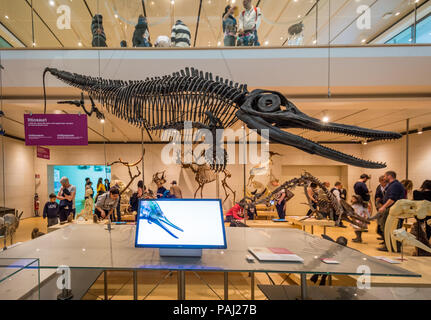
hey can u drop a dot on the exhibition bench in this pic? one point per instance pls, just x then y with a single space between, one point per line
312 222
92 247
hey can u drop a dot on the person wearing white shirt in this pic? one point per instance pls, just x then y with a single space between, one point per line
337 191
249 22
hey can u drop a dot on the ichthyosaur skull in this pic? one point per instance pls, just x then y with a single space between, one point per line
192 95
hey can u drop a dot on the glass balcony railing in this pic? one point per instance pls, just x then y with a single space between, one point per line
280 23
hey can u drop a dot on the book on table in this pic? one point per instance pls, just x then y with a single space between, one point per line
274 254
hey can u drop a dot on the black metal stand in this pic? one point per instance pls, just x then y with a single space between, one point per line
66 294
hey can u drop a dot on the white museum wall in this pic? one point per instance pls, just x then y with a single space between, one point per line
21 165
94 155
19 178
395 155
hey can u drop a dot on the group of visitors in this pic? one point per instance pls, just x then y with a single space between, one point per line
65 209
105 203
180 35
241 32
162 192
388 192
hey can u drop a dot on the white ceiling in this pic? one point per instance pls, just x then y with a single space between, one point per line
120 16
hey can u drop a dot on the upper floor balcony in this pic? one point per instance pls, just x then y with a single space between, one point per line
280 23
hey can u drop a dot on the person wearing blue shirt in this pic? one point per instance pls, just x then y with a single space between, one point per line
394 191
51 210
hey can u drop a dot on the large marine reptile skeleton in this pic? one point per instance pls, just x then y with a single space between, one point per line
194 96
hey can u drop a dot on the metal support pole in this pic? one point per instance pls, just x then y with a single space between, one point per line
415 24
244 162
330 280
143 154
181 275
317 18
135 285
303 286
226 285
217 186
312 229
407 147
105 284
252 285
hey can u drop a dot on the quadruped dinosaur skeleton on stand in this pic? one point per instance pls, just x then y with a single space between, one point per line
205 175
191 95
330 207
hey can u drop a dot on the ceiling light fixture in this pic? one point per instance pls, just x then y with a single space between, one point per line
51 3
102 120
325 117
420 130
266 43
364 40
80 43
398 13
7 17
365 142
387 15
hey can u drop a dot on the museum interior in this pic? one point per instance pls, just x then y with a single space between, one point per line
215 149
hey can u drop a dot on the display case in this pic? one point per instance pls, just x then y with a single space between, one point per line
17 276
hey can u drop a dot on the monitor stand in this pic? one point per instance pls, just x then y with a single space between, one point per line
171 252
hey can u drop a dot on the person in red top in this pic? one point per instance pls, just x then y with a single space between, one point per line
235 213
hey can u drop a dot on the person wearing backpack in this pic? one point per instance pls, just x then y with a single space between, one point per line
141 35
249 22
99 37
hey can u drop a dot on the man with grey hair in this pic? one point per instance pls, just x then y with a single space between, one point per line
66 195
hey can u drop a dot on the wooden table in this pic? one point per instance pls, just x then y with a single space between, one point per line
310 222
267 224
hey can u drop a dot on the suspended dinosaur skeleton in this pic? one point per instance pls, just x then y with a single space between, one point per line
342 209
194 96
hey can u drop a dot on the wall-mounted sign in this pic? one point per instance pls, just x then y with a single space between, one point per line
56 130
43 153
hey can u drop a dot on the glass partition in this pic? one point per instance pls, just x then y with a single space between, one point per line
18 277
282 23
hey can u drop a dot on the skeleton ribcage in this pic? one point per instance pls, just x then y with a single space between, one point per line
160 101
